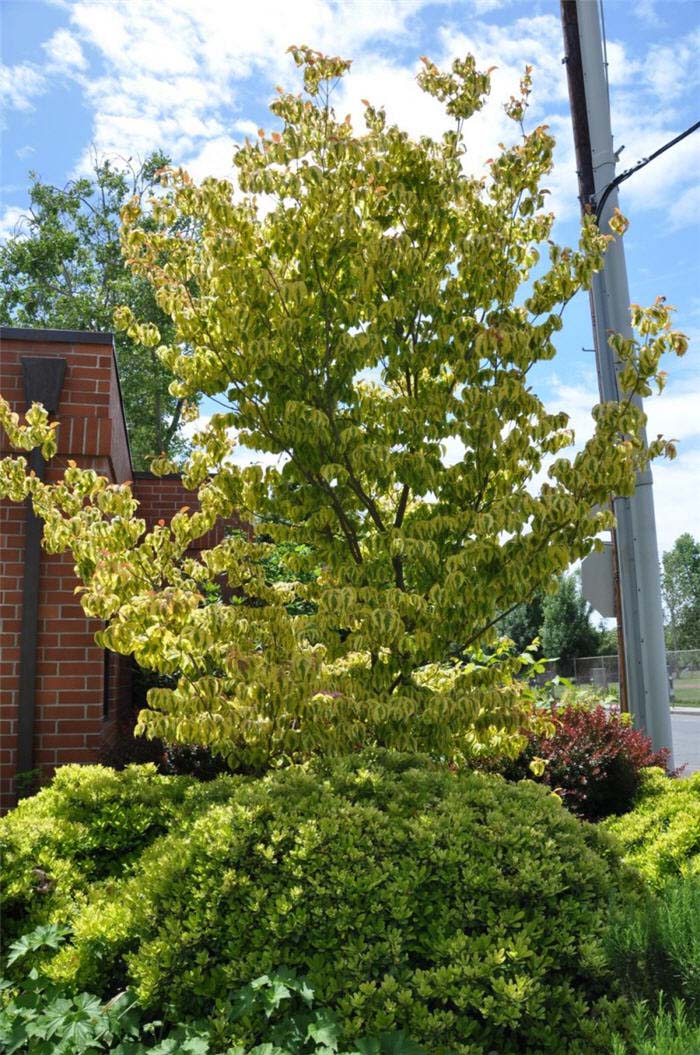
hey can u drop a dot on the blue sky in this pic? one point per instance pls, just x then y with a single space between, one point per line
194 76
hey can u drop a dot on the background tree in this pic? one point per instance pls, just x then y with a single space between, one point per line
680 582
567 631
524 623
367 316
567 616
608 642
64 269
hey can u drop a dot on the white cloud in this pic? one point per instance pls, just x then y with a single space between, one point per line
675 413
175 75
19 86
646 11
246 127
534 41
453 450
394 87
11 222
671 70
215 158
622 69
65 53
240 455
661 183
652 100
172 72
675 485
537 42
482 7
686 209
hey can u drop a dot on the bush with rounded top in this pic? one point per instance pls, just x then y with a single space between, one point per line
464 910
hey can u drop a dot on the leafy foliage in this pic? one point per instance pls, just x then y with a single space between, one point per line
655 944
524 623
467 912
661 836
594 759
561 620
681 590
666 1032
40 1018
370 315
88 825
191 760
567 630
64 270
608 644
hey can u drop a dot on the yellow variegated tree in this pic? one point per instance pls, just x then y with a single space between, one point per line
357 303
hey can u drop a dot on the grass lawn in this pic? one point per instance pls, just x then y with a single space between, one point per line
686 689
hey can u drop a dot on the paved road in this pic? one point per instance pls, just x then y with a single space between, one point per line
686 738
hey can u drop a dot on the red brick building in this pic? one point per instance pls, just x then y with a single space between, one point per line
62 697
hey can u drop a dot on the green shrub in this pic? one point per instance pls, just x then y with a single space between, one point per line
663 1033
89 824
661 836
654 944
40 1018
464 910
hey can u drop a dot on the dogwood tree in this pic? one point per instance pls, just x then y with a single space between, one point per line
358 302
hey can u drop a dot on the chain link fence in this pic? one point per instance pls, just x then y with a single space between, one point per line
683 674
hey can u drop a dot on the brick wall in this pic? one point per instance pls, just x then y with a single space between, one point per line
69 720
79 699
160 497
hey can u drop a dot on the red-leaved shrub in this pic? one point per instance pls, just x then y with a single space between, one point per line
594 760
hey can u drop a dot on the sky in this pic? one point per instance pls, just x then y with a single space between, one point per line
122 77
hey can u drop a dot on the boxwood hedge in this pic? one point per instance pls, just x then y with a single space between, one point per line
464 910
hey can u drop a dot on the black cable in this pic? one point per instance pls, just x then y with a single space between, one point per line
640 165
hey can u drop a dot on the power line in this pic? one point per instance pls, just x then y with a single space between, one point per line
640 165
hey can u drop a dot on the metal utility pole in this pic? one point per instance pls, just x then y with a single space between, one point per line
637 552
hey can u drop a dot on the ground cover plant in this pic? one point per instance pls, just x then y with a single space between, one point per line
382 305
38 1017
463 910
